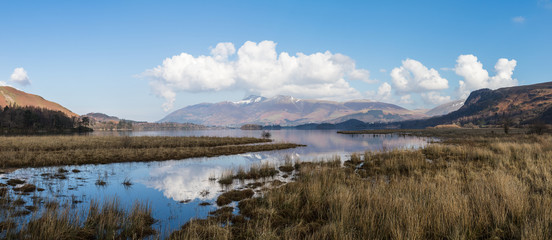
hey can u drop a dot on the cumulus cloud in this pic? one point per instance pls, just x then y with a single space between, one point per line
257 69
475 77
413 76
518 19
223 50
20 76
384 91
435 98
406 99
361 74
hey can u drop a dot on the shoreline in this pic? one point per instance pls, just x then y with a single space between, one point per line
465 187
43 151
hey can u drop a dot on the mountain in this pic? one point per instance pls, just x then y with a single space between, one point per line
445 108
101 121
10 96
287 111
521 105
101 117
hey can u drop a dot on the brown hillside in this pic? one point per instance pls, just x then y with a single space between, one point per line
520 105
10 95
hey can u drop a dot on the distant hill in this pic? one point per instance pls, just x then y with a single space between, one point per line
10 96
288 111
101 121
521 105
101 117
445 108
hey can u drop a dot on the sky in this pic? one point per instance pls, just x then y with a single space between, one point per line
140 60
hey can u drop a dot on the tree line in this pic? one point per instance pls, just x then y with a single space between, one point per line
17 119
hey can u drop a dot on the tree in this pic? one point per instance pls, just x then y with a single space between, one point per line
506 122
538 127
266 134
85 121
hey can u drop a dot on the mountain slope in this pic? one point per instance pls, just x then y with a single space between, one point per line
522 105
101 117
10 95
445 108
287 111
518 105
101 121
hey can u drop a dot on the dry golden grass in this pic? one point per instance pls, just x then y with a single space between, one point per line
37 151
447 133
471 188
447 126
106 221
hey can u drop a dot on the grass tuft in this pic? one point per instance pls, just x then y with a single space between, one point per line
234 195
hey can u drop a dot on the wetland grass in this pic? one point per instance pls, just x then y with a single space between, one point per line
288 166
226 178
477 187
39 151
454 133
106 221
257 171
27 188
127 182
234 195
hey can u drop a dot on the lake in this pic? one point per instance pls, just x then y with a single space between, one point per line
175 188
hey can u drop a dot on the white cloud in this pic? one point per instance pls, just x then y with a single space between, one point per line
384 91
413 76
383 70
475 77
20 76
223 50
518 19
406 99
435 98
257 69
361 74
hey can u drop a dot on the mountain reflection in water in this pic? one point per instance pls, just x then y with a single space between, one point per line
175 188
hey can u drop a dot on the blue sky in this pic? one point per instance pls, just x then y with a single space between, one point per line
108 56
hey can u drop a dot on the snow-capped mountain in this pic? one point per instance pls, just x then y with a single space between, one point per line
287 111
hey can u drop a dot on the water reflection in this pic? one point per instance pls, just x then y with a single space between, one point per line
183 183
175 188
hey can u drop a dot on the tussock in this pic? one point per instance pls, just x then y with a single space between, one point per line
469 188
39 151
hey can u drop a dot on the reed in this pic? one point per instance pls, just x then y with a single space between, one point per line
471 188
100 221
287 167
38 151
256 171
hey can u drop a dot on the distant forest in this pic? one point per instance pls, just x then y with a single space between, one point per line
16 119
129 125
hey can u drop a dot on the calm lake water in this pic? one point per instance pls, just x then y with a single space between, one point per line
175 188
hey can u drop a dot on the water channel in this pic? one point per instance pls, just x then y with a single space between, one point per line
175 188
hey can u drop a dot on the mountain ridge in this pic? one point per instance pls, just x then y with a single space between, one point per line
515 106
10 95
286 111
